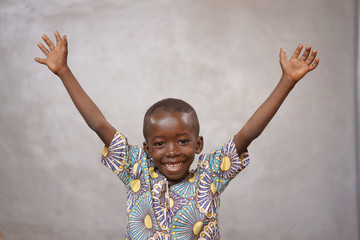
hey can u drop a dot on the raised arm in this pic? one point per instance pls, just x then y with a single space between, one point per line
293 70
56 60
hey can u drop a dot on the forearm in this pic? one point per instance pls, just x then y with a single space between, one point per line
293 70
87 108
263 115
56 61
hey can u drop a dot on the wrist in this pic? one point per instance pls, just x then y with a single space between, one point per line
287 81
63 72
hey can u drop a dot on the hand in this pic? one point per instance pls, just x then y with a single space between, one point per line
56 56
295 68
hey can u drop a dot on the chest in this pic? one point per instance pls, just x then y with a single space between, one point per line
188 210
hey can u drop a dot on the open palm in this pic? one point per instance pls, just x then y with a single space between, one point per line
56 56
295 68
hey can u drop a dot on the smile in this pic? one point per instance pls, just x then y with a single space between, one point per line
173 166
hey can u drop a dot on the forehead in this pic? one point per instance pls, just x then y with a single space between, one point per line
171 121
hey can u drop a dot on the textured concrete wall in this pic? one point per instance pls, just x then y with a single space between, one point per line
222 57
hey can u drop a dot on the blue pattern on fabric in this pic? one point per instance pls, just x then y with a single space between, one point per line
191 209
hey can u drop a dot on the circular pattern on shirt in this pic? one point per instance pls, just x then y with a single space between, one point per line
210 231
229 162
207 195
159 204
176 202
114 156
187 223
186 189
160 236
137 185
141 219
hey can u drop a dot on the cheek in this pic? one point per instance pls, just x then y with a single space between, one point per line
190 154
156 156
151 152
157 163
156 152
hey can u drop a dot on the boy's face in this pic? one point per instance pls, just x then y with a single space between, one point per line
172 143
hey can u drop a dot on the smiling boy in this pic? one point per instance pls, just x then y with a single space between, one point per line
171 132
166 200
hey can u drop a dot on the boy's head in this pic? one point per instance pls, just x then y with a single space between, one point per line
171 131
171 105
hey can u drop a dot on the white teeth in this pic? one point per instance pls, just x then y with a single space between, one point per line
174 165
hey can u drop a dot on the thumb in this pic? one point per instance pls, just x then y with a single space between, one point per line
40 60
65 39
282 56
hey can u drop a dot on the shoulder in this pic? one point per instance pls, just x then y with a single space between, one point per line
224 162
121 155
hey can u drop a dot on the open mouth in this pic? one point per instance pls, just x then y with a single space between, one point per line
173 166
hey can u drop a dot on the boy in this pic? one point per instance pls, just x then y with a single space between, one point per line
166 200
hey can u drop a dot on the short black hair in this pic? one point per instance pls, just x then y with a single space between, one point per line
171 105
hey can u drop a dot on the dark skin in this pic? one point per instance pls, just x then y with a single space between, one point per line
172 143
56 60
293 70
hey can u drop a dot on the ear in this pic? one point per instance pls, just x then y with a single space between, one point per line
147 149
199 145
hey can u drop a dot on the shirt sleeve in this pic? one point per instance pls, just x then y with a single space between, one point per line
120 157
225 163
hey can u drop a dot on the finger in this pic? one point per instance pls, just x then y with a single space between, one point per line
58 38
64 40
306 53
314 64
312 57
282 55
43 48
40 60
297 51
48 42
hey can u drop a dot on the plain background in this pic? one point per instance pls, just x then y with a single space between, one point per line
221 57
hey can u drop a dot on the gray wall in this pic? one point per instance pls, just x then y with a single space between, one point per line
222 57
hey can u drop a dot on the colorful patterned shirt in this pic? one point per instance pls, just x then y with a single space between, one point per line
187 210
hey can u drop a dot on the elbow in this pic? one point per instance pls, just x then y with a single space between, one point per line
98 126
248 135
105 131
242 140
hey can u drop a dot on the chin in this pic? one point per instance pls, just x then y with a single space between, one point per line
176 177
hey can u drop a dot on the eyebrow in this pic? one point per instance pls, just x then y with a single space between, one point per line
178 135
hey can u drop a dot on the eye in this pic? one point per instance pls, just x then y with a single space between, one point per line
184 141
159 144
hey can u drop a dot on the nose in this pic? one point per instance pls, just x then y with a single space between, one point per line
172 150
